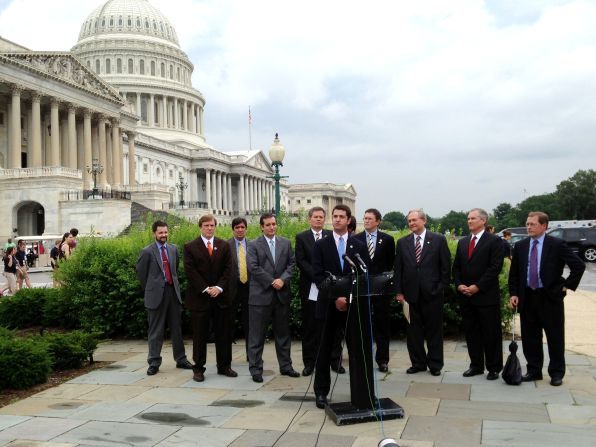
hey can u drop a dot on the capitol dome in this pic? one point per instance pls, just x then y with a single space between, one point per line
134 47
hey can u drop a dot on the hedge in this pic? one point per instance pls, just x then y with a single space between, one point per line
24 362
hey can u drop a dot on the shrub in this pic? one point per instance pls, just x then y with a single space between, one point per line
24 309
6 333
24 362
65 350
59 310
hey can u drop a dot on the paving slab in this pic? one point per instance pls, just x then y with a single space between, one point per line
98 433
42 406
371 441
185 415
440 391
263 419
40 429
584 397
418 406
68 391
499 433
525 393
115 392
112 356
266 438
115 411
457 377
169 395
572 414
109 378
248 399
499 411
7 420
29 443
449 430
127 366
166 380
228 383
201 437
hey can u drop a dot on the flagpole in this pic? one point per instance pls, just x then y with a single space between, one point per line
249 129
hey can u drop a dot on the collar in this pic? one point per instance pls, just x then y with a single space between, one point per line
268 240
205 240
477 235
337 236
314 232
539 239
422 235
374 234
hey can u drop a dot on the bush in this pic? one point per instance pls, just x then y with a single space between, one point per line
59 310
24 362
66 350
6 333
24 309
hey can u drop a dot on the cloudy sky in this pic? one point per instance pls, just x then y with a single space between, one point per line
435 104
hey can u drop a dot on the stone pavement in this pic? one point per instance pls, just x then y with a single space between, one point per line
120 405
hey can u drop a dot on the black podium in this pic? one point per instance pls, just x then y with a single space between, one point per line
364 406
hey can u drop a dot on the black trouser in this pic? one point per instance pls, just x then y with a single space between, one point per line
241 310
382 327
426 324
484 338
541 312
200 331
311 336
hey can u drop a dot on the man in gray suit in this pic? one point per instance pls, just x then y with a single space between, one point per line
270 262
157 270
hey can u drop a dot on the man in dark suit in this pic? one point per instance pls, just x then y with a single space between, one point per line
478 262
157 270
271 263
537 285
381 251
422 271
239 276
207 262
331 311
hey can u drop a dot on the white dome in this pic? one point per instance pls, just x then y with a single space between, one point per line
128 17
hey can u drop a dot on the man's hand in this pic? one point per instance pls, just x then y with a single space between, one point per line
399 297
341 304
277 283
213 292
514 301
468 290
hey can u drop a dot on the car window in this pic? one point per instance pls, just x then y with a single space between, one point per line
574 235
557 233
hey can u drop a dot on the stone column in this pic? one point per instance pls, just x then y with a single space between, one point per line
88 151
194 185
208 188
230 201
109 169
151 110
241 207
117 154
255 204
14 149
247 193
132 180
64 142
102 151
164 112
139 105
176 117
55 131
197 121
185 115
193 119
201 120
224 191
80 147
214 189
35 160
72 137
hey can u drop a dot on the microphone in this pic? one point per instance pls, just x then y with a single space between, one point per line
349 261
388 442
331 276
361 263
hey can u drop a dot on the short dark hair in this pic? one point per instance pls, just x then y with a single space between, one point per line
207 218
343 207
314 209
542 217
376 212
158 223
266 216
239 220
352 224
20 241
506 233
74 232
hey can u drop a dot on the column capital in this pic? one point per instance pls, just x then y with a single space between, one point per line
16 89
36 96
55 102
103 118
130 134
87 113
115 122
72 107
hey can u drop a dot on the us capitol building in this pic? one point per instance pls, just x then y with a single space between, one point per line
119 112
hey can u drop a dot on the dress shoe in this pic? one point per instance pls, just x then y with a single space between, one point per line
321 401
338 369
492 375
531 377
307 371
290 373
556 381
383 367
185 364
435 372
414 370
473 372
258 378
152 370
198 376
228 372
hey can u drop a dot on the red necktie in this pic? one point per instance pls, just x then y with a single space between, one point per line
166 265
471 247
209 248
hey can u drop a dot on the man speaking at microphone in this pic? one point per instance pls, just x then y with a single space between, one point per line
336 256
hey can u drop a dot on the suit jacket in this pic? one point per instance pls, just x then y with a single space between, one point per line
263 270
205 271
235 272
305 244
384 252
428 279
555 255
482 269
151 274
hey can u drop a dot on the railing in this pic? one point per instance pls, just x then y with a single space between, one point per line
99 194
202 205
45 171
147 187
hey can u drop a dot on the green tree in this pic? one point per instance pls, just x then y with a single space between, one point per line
505 216
455 221
547 203
577 195
397 220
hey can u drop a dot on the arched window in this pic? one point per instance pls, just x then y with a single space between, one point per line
108 67
154 26
146 23
142 66
111 21
129 21
120 21
89 65
103 23
152 68
97 66
155 112
130 66
118 65
163 70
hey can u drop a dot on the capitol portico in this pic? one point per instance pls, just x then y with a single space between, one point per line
122 98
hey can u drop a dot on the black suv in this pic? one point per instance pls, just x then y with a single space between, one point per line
581 240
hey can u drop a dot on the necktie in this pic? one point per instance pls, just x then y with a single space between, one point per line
534 283
341 249
209 248
166 265
418 249
242 264
471 247
371 246
272 248
317 236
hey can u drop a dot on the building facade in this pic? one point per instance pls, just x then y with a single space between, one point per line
302 197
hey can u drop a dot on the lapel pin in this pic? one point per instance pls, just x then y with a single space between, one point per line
380 241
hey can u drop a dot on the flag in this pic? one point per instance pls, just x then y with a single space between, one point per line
249 117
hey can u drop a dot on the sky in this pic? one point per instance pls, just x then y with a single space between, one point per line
441 105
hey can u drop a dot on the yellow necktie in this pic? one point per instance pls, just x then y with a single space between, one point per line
242 264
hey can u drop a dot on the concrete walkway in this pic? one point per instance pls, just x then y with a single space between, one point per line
121 406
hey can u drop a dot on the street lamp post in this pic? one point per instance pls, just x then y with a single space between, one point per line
181 185
95 169
276 154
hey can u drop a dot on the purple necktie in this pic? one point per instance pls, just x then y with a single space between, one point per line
534 284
